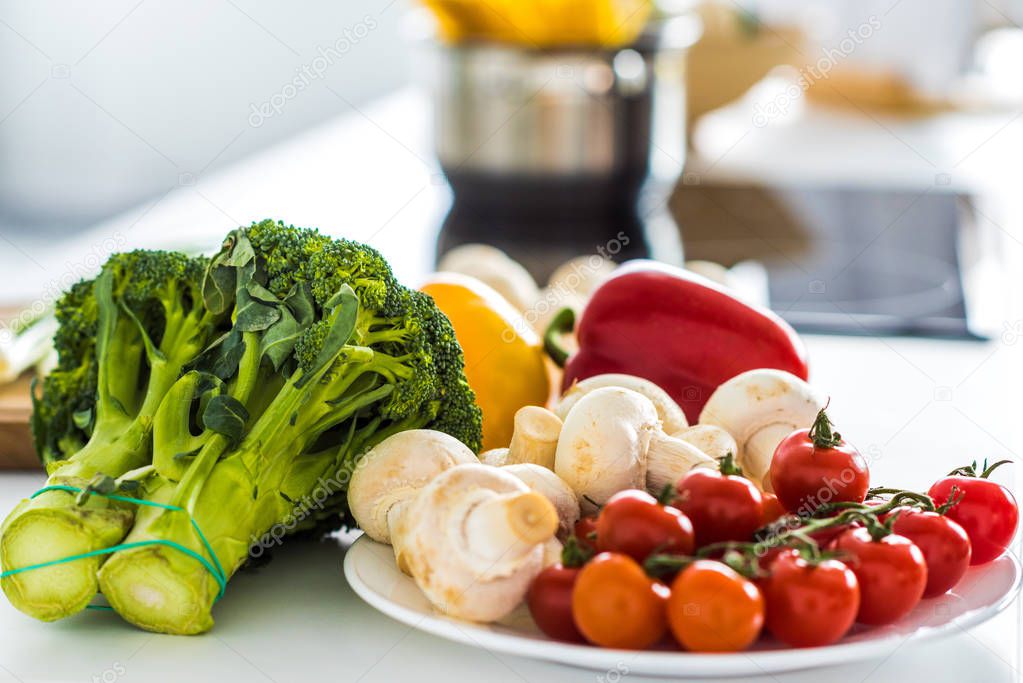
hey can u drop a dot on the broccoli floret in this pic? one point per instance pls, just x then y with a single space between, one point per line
123 339
62 416
297 256
400 338
328 356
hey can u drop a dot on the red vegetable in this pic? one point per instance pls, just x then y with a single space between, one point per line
634 523
891 571
772 508
722 506
550 602
985 509
815 466
615 604
810 603
945 546
585 532
712 608
678 330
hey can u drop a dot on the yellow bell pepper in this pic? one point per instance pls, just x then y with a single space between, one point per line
504 359
542 23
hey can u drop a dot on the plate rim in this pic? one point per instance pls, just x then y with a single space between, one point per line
658 663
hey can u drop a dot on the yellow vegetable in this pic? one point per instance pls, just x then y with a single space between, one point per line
542 23
504 358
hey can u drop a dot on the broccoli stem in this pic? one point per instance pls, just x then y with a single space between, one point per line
161 589
54 525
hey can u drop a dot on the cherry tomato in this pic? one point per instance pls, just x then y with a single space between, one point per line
722 507
773 510
615 604
987 512
550 602
815 466
586 533
944 543
714 609
892 574
810 604
634 523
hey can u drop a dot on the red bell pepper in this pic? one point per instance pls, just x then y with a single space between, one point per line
678 330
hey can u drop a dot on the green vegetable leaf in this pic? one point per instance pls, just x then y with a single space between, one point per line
226 415
279 341
240 253
82 418
229 354
342 310
300 302
260 293
218 288
252 315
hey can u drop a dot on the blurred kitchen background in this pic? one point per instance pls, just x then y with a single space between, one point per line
855 163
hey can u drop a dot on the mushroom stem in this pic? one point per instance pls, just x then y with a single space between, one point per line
505 527
395 522
669 459
554 489
756 456
535 438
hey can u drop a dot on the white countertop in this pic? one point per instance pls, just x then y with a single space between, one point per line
916 408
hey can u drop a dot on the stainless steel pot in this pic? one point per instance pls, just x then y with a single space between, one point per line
555 153
589 112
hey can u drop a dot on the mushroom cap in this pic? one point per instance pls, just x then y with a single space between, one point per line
760 408
711 439
671 415
604 443
460 575
581 275
553 488
755 399
494 267
394 470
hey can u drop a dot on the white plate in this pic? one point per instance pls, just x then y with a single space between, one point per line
983 593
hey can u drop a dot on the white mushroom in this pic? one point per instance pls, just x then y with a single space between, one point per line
476 539
554 489
495 457
495 268
715 272
552 552
391 473
712 440
580 275
612 440
671 415
760 408
534 437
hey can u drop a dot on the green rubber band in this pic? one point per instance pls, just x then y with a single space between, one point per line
215 569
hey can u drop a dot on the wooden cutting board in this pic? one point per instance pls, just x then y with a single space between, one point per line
16 451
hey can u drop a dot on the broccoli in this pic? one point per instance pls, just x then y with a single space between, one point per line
328 355
123 341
